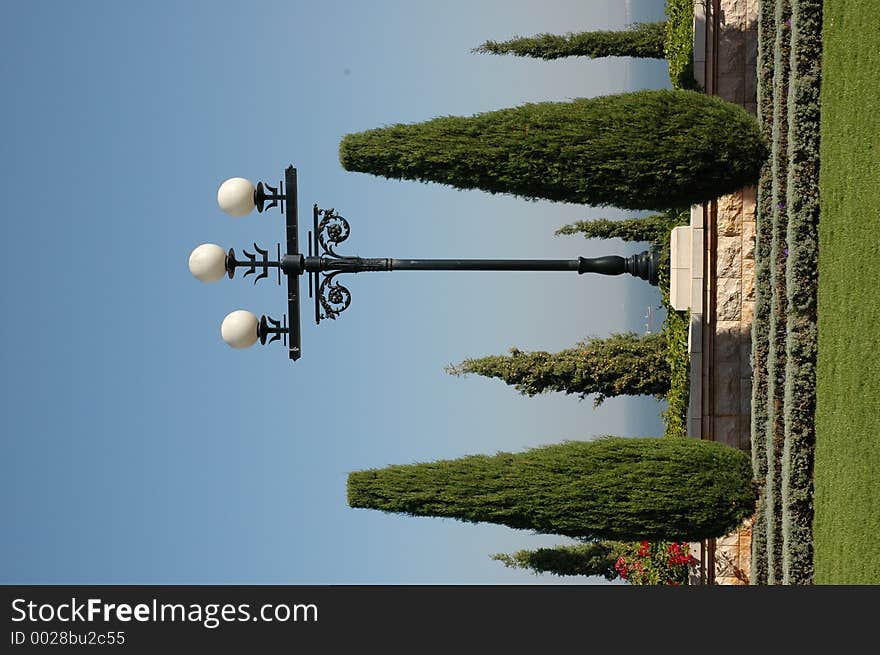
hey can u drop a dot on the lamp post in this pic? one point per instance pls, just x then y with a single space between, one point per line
241 329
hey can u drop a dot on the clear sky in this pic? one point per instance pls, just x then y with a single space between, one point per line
136 446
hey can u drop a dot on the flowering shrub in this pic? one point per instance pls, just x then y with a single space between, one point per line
655 563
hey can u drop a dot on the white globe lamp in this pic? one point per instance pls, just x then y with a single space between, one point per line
208 262
239 329
236 196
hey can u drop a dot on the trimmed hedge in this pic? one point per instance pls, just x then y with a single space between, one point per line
802 288
653 229
650 149
640 40
778 254
761 321
618 365
679 49
621 489
679 44
591 558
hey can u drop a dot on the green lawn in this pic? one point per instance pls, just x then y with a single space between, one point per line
847 455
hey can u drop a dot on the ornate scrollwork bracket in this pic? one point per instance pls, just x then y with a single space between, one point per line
331 231
333 297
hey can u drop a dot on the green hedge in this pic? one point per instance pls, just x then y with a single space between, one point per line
621 489
761 321
652 149
679 44
679 49
802 287
778 254
653 229
675 329
617 365
640 40
591 558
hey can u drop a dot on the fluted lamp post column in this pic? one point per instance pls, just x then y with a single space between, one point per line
241 329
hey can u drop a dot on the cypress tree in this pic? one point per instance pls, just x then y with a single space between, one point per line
652 229
591 558
621 489
640 40
622 364
643 150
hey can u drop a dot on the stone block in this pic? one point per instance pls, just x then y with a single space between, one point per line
728 257
699 32
745 396
749 198
729 224
680 288
680 247
728 301
697 216
745 436
726 388
732 87
695 383
750 90
726 430
680 267
729 216
728 337
748 280
695 334
748 240
697 250
696 298
731 55
747 313
735 14
745 353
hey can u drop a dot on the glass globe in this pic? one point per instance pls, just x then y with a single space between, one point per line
239 329
236 196
208 262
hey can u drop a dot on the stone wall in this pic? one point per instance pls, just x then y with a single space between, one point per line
725 58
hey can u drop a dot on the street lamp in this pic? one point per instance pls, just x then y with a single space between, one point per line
241 329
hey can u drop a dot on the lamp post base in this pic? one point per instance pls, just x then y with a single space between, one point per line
644 265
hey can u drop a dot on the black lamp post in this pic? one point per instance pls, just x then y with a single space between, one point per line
240 329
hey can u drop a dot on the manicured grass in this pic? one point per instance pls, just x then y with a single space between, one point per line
847 455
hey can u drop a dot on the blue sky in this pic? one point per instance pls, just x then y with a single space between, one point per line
138 447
